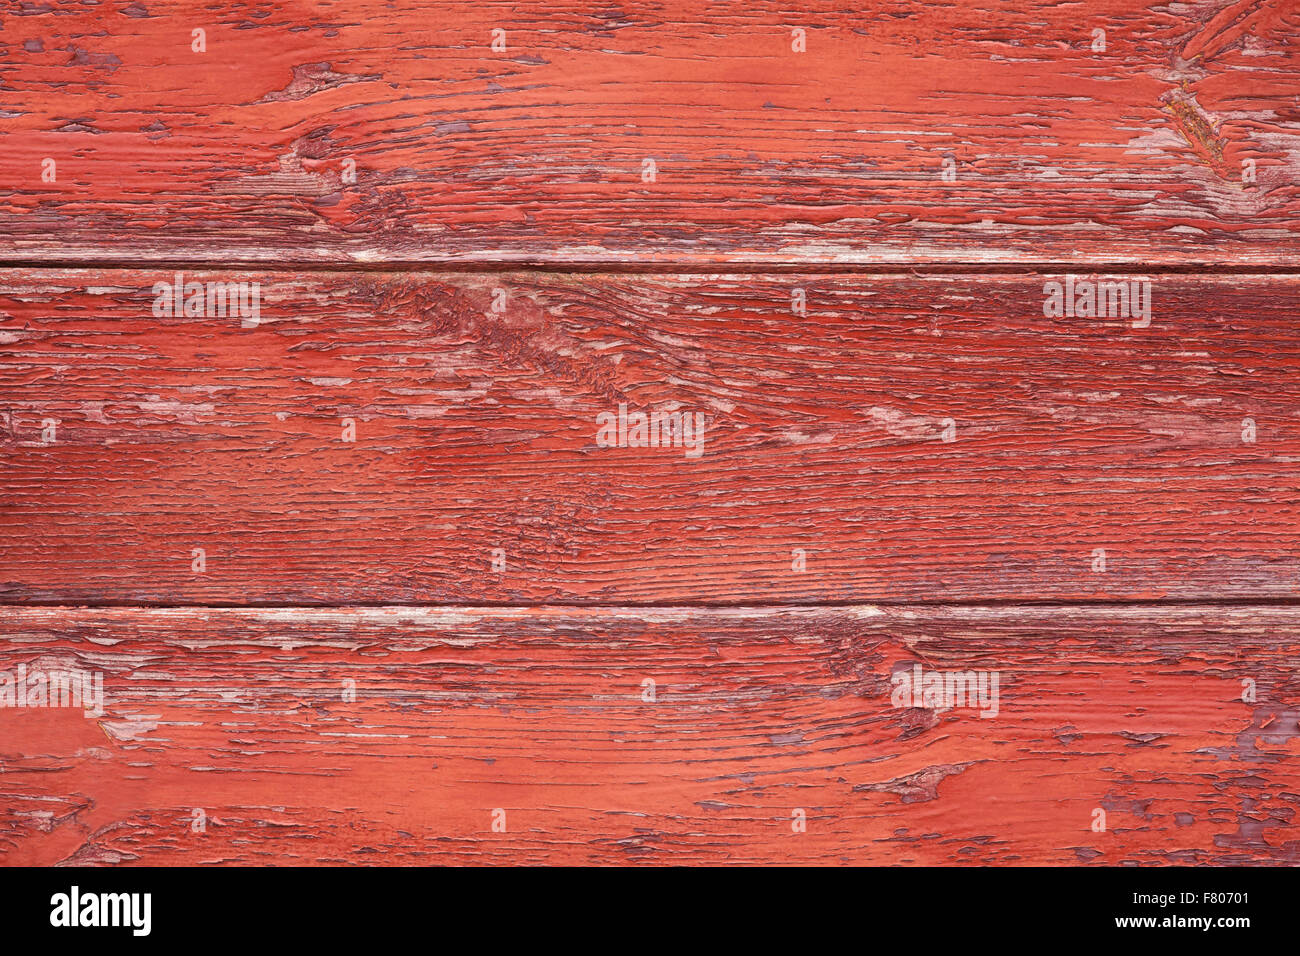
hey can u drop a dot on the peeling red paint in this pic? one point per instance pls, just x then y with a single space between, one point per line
540 712
1082 528
1061 152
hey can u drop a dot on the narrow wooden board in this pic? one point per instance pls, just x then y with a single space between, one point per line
824 474
545 714
908 132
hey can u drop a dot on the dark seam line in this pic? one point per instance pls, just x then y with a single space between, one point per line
1063 604
654 268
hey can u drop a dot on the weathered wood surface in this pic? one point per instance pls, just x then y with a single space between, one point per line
907 132
285 527
756 713
475 430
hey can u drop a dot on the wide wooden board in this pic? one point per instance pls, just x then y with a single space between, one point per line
909 438
982 132
400 735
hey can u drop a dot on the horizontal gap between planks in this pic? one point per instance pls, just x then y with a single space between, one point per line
813 267
1099 603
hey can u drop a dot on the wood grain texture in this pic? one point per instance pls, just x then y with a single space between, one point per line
757 713
364 582
477 430
1059 152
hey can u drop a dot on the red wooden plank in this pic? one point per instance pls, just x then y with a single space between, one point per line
226 736
825 473
908 131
